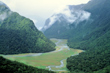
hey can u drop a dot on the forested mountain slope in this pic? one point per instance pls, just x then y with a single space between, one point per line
62 24
7 66
95 41
19 34
91 35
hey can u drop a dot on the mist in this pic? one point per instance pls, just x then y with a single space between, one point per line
39 11
68 15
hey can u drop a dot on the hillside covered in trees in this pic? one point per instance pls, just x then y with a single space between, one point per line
19 34
7 66
94 39
91 35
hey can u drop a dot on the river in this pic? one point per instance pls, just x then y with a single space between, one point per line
58 43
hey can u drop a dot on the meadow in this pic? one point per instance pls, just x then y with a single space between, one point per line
47 59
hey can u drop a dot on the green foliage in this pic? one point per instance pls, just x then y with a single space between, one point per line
92 36
104 70
56 30
19 35
7 66
95 42
3 8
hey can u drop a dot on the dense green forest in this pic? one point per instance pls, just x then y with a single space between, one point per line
14 42
7 66
91 35
95 43
19 35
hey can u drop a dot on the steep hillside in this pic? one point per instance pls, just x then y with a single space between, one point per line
91 35
60 23
95 41
4 11
99 26
7 66
19 34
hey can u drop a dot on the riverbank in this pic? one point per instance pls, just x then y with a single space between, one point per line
55 60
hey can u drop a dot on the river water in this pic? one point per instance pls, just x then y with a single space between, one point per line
63 46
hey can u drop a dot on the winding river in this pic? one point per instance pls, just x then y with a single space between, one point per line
60 66
62 61
58 43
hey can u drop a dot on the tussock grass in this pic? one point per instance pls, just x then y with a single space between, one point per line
47 59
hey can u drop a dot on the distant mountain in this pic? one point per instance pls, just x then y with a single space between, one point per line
4 11
19 34
91 34
62 20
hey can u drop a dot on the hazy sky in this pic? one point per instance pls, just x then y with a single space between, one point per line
39 10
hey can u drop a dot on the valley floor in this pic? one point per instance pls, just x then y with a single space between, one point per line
55 60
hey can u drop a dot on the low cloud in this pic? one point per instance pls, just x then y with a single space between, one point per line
41 8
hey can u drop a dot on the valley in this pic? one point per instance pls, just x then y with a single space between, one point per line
54 61
24 48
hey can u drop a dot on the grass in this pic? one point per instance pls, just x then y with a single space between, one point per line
54 40
63 68
47 59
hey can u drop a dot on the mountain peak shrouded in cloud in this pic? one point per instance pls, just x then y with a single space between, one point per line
18 34
68 14
3 4
42 8
4 11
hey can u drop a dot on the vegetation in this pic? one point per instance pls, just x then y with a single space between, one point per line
92 36
15 42
19 35
95 42
46 59
7 66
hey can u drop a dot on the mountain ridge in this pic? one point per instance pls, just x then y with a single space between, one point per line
19 35
91 35
72 14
